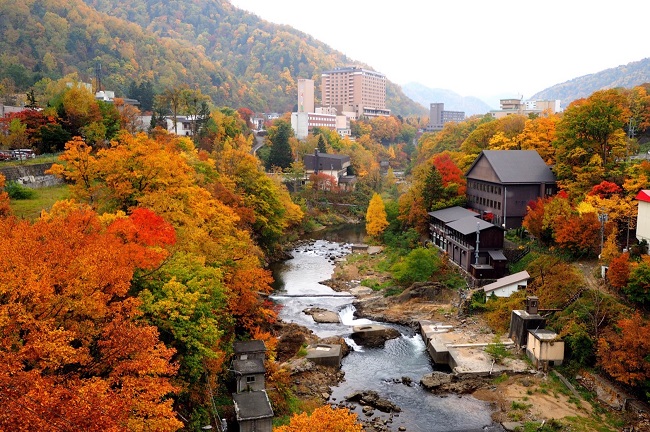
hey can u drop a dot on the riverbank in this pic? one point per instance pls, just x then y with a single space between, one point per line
519 398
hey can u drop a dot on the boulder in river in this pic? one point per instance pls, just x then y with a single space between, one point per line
373 335
323 315
371 398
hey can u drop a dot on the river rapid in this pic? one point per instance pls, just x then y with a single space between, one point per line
382 370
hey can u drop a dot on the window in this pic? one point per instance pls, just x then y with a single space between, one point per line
250 379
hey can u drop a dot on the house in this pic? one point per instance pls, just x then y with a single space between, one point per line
253 411
439 219
501 183
472 243
249 374
507 285
252 349
544 348
334 165
643 216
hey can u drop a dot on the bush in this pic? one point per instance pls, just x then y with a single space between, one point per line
19 192
418 266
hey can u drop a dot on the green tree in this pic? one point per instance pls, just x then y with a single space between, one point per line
376 219
321 144
433 189
281 155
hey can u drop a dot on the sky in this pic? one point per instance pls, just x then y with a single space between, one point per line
486 49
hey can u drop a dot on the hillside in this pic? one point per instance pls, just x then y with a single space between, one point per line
231 55
628 76
453 101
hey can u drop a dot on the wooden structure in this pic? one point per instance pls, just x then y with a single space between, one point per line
253 411
501 183
249 374
246 350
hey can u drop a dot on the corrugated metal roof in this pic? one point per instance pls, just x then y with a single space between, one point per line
252 405
468 225
516 166
452 213
507 280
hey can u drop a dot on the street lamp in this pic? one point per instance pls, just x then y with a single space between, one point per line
602 217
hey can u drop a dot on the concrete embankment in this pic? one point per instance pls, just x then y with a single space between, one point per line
32 176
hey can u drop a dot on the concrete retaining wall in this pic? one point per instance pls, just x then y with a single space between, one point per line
32 176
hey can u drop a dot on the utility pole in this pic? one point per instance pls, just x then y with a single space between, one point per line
478 240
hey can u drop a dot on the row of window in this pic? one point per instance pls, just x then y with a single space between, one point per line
493 204
496 190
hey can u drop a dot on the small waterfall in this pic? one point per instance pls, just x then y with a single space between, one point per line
353 345
347 317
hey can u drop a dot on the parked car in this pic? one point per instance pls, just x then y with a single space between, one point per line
23 154
5 155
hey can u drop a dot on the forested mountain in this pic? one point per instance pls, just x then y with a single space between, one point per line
452 100
233 56
627 76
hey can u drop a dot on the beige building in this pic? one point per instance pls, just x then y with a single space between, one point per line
305 95
544 348
518 106
355 89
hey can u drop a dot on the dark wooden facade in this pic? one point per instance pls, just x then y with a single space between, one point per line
501 184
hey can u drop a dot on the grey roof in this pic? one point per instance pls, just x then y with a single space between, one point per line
242 347
468 225
450 214
251 366
543 334
507 280
252 405
516 166
497 255
325 161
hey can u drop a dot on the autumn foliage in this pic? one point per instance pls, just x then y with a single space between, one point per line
75 354
623 350
323 419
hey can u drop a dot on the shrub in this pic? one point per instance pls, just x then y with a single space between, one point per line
418 266
19 192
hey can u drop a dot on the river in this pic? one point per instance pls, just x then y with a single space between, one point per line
378 369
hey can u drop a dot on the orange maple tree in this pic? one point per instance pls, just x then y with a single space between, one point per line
623 351
323 419
75 354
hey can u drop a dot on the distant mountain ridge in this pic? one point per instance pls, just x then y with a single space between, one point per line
453 101
627 76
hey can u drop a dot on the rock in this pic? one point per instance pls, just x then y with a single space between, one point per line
401 428
372 399
323 315
435 380
407 381
373 335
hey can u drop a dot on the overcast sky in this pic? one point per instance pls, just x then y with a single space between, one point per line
474 48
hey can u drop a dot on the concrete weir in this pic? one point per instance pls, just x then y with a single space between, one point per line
449 347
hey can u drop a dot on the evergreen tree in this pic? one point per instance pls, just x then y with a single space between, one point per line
281 155
433 189
321 144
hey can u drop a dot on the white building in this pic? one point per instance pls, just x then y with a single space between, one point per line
507 285
544 348
643 216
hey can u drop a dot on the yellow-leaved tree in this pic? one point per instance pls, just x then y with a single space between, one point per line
323 419
376 219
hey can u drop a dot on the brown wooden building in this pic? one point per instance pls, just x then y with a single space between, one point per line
460 233
501 183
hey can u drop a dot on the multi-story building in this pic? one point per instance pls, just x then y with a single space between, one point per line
305 95
303 122
355 89
501 183
518 106
438 116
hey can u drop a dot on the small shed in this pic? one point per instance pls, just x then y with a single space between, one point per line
253 411
507 285
246 350
544 348
523 320
249 374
